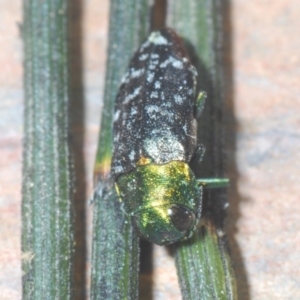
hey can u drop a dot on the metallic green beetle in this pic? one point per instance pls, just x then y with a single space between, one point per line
155 139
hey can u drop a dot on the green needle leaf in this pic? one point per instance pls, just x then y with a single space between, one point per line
204 266
115 253
47 233
203 263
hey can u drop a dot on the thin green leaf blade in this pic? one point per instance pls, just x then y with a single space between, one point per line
204 266
203 263
115 250
115 253
47 234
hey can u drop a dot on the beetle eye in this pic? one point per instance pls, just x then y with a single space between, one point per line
182 218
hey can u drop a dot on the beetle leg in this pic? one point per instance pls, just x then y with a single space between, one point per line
212 183
199 105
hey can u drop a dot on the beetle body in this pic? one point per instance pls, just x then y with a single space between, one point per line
155 138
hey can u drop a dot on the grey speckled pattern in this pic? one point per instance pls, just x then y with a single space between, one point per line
154 111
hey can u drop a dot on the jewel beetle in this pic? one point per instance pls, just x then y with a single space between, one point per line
154 138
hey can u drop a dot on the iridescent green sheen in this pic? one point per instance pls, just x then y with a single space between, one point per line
148 193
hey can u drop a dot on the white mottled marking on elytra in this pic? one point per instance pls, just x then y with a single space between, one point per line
154 94
178 99
154 110
167 104
190 92
124 117
150 109
116 115
165 63
152 66
170 212
172 60
129 126
116 137
133 111
136 73
157 39
153 63
132 96
177 64
118 169
155 132
143 56
154 55
164 149
157 84
150 77
167 113
131 155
